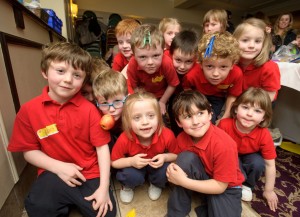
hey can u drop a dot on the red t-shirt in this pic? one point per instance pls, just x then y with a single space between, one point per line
232 85
218 153
155 83
258 140
167 53
68 132
119 62
165 142
266 77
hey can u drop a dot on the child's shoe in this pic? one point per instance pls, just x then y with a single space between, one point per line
246 193
154 192
126 194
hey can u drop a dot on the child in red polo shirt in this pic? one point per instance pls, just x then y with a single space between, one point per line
144 148
183 52
149 69
255 44
123 33
251 115
208 163
59 133
110 89
220 80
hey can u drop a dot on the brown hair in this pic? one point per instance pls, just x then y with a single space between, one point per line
186 41
127 110
66 52
184 101
255 96
219 15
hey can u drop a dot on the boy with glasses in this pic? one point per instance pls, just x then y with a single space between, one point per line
110 90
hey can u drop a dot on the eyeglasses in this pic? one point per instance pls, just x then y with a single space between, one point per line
116 104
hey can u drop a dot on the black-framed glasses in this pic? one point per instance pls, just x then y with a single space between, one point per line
116 104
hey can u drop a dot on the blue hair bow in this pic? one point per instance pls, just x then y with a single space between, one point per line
210 47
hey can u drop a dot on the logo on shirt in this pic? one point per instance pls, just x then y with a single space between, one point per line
47 131
224 86
157 79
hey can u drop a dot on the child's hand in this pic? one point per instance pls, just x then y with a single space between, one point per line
162 107
100 201
175 174
157 161
272 199
70 173
138 161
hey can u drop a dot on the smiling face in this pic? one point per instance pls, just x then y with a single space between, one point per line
216 70
284 21
248 117
250 43
183 62
124 45
144 120
149 58
64 81
195 124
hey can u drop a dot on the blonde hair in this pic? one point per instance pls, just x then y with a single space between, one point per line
127 110
109 83
224 46
126 26
255 97
165 22
219 15
289 26
147 36
263 56
66 52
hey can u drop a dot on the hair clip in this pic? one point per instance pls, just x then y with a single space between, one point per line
147 39
210 47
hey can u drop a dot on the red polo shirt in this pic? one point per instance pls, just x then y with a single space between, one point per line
232 84
155 83
218 153
165 142
119 62
266 77
258 140
68 132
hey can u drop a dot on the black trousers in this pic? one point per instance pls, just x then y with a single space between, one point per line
50 196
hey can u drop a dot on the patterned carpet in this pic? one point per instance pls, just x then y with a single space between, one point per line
287 187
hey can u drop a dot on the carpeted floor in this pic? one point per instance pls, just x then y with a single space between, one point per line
287 187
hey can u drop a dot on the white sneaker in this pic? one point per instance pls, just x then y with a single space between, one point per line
246 193
154 192
126 194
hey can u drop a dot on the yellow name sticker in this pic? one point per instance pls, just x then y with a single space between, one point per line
47 131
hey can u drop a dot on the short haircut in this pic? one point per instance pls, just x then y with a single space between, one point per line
98 65
263 56
186 41
147 36
126 26
109 83
219 15
255 97
165 22
66 52
224 46
184 101
140 95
